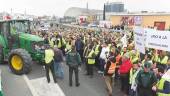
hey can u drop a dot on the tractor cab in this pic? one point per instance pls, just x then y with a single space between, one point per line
19 46
20 26
11 29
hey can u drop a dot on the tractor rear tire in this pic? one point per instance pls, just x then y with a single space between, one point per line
1 55
20 61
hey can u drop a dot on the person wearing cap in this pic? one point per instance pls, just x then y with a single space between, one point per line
73 60
49 63
145 80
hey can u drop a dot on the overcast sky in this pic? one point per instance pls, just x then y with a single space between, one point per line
58 7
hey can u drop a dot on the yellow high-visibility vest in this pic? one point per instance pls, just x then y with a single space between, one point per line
97 49
164 60
155 58
51 43
49 54
91 61
160 85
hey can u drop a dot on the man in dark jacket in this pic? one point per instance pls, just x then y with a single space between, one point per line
58 59
79 47
145 80
73 60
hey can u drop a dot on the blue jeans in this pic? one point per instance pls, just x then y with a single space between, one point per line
102 63
58 70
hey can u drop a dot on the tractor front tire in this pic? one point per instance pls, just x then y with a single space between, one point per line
1 55
20 61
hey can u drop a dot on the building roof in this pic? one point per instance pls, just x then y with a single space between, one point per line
138 14
14 20
75 12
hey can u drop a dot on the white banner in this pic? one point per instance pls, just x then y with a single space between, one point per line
158 39
139 39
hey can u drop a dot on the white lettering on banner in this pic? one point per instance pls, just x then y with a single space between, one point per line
139 39
158 39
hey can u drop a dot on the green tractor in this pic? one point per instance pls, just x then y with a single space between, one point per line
18 46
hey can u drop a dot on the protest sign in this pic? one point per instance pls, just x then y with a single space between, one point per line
139 39
158 39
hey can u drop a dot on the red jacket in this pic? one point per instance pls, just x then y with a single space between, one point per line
125 67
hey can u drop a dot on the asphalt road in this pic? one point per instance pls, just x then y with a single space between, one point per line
14 85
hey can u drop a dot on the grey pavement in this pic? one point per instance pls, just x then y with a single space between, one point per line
14 85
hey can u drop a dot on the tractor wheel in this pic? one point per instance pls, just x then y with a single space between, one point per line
1 55
20 61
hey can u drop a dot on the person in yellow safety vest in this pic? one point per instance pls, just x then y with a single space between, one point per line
134 56
60 42
162 88
51 40
68 46
49 64
97 53
162 60
97 50
91 62
154 56
132 79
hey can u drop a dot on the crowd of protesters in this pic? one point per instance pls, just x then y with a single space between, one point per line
139 74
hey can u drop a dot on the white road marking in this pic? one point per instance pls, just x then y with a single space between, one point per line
34 93
40 87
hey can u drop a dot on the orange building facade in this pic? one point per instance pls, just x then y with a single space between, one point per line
159 21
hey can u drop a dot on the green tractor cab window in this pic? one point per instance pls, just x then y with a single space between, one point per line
19 26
